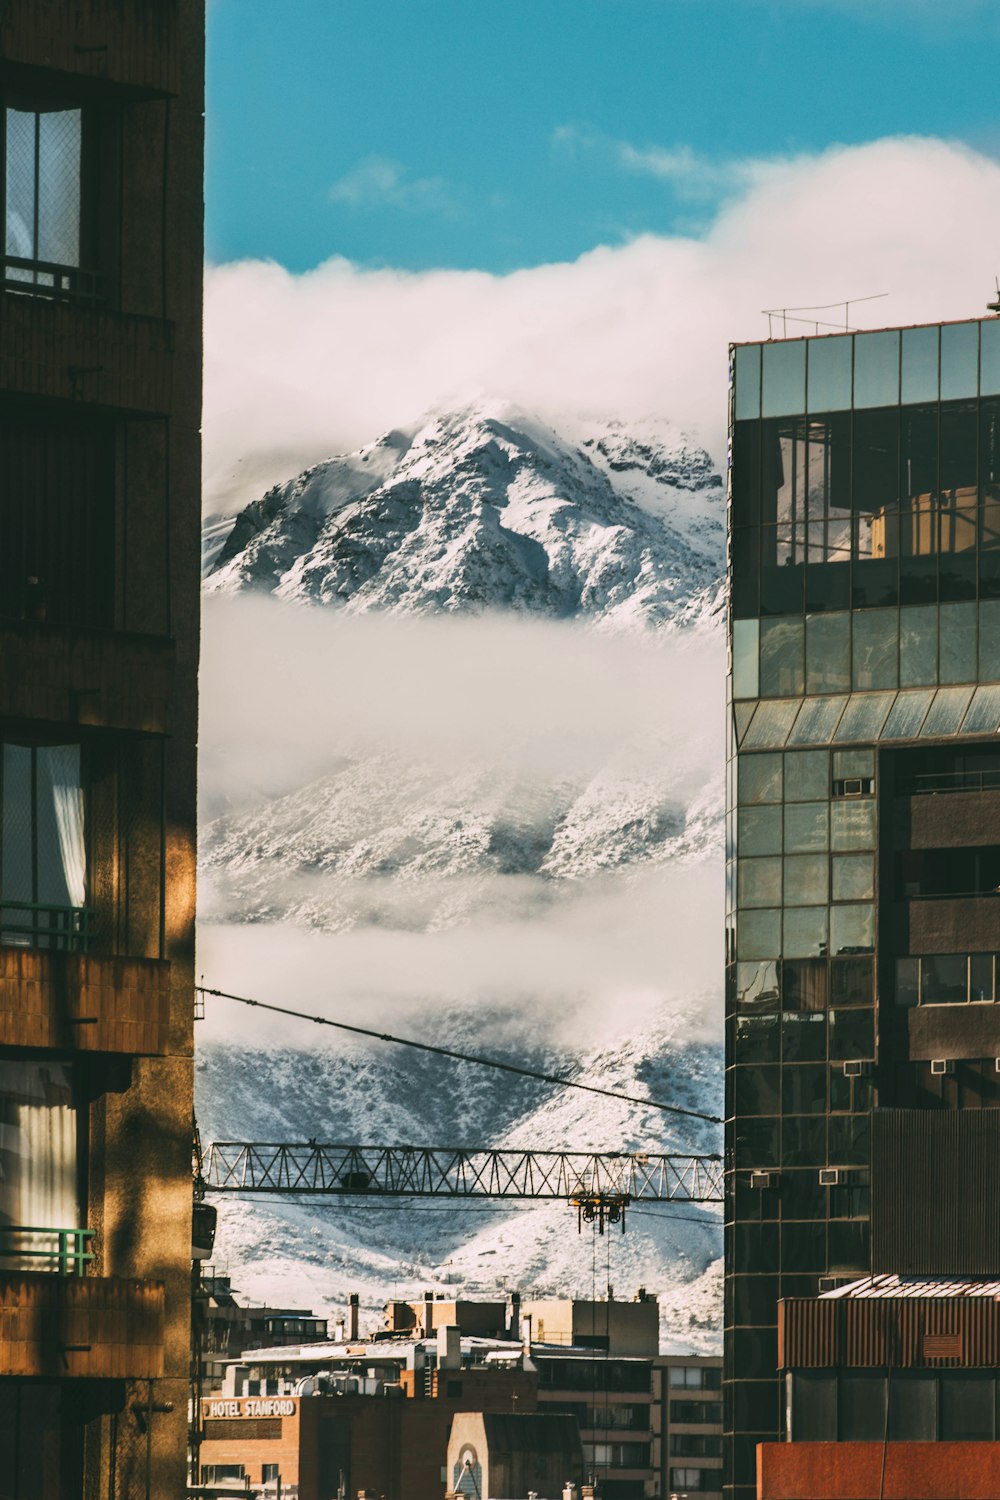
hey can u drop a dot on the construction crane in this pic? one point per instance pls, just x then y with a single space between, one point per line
599 1184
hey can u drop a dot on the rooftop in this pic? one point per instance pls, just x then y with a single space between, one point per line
892 1285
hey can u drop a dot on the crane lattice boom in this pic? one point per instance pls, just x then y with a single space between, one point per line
446 1171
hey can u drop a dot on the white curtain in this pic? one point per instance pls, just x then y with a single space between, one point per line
62 854
38 1159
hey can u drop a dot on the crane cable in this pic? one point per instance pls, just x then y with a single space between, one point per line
469 1057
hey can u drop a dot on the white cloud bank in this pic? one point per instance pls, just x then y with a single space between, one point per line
299 366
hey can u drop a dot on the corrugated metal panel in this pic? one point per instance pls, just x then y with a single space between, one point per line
936 1192
904 1332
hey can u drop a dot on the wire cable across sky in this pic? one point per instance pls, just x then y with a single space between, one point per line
466 1057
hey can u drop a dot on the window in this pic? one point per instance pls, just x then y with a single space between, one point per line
946 979
695 1377
691 1479
695 1445
39 1185
43 861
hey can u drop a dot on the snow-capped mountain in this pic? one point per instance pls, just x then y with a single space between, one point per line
488 508
560 917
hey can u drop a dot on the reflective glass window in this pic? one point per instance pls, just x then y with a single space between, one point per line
852 1033
967 1406
806 827
806 880
907 715
805 932
875 469
918 645
907 981
989 641
742 714
853 877
944 979
864 716
746 374
803 1089
745 475
852 928
848 1247
852 763
947 711
758 830
759 882
43 198
876 368
759 778
744 592
957 501
782 650
959 360
802 1197
920 365
746 639
852 824
757 1143
830 373
989 357
816 721
771 723
803 1035
807 775
983 716
757 986
874 653
784 378
755 1299
981 976
803 1141
804 984
850 1140
758 1090
852 982
958 642
757 1039
758 934
828 653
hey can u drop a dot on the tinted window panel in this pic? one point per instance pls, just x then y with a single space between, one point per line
784 378
920 365
876 368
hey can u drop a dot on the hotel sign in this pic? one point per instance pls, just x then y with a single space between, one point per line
250 1406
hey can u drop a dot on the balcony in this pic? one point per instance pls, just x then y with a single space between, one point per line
950 924
96 678
82 1002
948 811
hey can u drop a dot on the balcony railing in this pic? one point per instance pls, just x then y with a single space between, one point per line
43 278
60 1252
952 781
34 924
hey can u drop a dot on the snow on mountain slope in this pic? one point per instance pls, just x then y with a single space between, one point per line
488 508
543 888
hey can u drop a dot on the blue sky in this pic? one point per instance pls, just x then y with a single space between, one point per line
494 134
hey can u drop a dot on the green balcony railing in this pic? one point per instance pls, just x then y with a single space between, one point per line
33 924
60 1252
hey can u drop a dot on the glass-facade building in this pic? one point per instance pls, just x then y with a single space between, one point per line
863 807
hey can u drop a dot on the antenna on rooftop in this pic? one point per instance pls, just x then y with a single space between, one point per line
994 306
786 315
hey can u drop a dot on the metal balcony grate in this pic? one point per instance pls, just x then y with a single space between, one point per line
32 924
59 1252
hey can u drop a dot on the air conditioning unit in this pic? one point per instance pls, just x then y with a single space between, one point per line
856 1067
853 786
831 1176
760 1179
941 1065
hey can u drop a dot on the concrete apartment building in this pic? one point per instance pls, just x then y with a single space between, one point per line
862 1227
100 399
649 1424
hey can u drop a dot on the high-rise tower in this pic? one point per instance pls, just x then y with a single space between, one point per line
863 1030
100 399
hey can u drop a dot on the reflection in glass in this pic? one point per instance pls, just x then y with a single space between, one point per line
759 778
874 650
758 934
757 1039
745 474
852 1032
944 979
806 827
876 368
816 721
830 373
920 365
852 825
803 1090
803 1142
907 715
959 360
853 877
803 1035
989 358
981 976
852 929
807 775
947 711
806 880
805 932
782 646
746 637
989 641
771 723
864 716
958 642
828 653
851 982
784 378
918 646
746 373
757 1090
757 986
983 716
849 763
758 830
804 984
759 882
